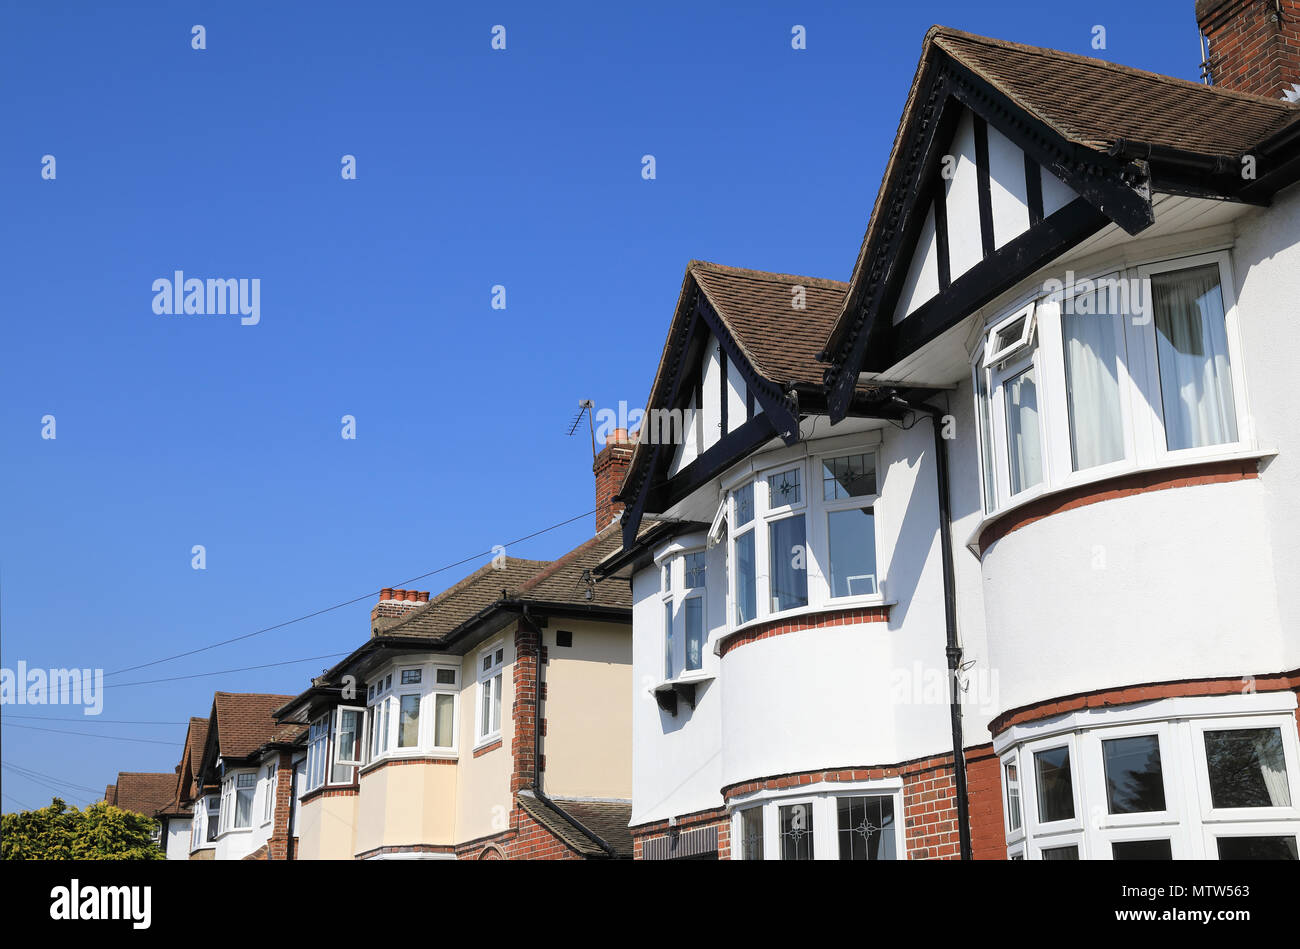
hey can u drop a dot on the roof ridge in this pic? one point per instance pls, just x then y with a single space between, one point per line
461 586
937 33
771 276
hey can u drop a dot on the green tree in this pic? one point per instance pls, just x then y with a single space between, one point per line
59 832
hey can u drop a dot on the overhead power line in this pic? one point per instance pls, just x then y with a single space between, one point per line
338 606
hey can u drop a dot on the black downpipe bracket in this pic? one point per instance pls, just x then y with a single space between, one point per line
953 650
536 788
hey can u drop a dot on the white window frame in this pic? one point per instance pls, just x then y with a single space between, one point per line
270 783
1189 822
992 355
1137 377
824 814
230 788
436 689
673 605
1147 326
490 678
815 510
318 733
336 760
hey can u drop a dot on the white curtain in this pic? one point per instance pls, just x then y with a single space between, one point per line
1092 383
1192 346
1024 446
1272 766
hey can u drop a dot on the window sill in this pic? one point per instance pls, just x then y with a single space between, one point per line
414 754
482 743
1080 492
668 692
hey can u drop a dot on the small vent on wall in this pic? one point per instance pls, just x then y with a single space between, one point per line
563 637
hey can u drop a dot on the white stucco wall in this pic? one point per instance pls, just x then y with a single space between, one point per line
177 845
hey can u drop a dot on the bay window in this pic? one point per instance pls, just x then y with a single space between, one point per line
1194 785
818 546
854 823
1123 371
411 710
214 817
685 621
237 792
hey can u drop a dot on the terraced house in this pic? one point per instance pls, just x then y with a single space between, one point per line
490 721
245 779
990 551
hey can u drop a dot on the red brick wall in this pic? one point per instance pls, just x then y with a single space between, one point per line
1253 47
279 847
610 468
716 818
524 710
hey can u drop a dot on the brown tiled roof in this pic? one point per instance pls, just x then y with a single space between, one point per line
567 580
244 722
143 792
558 581
457 604
1095 103
608 821
196 737
110 794
780 342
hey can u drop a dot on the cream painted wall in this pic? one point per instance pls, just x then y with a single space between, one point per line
588 741
406 804
327 828
483 801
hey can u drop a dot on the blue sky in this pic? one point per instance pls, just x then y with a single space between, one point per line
475 168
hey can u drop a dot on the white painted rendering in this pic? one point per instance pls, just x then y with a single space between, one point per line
1007 188
177 845
922 281
1056 193
965 245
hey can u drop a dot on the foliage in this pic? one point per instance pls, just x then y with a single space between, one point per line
59 832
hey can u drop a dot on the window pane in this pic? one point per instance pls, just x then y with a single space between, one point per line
444 711
496 703
485 718
746 579
694 632
1009 334
411 676
446 676
1256 848
1247 768
1088 326
349 733
744 504
668 640
1134 781
1141 850
788 563
244 806
1061 853
408 722
751 833
784 488
694 570
1055 788
1013 797
1192 348
852 543
866 828
1024 450
850 477
796 832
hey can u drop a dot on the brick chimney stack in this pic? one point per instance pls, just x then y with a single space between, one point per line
394 604
1252 45
610 468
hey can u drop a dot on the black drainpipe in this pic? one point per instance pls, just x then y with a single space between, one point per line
293 801
953 649
537 746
